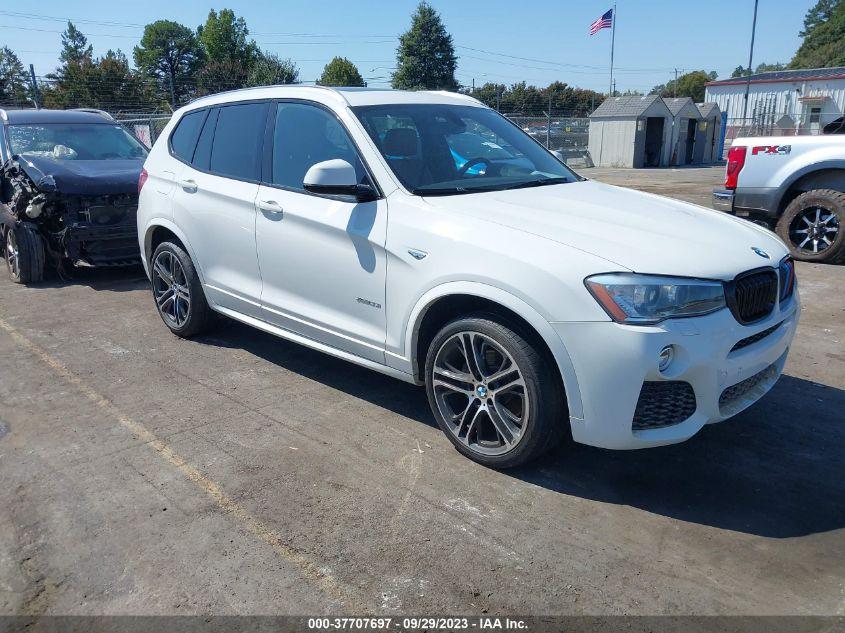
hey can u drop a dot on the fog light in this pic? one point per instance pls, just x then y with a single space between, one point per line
667 354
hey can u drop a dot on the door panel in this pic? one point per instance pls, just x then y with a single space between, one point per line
218 216
322 259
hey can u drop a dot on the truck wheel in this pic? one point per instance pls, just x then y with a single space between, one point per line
813 226
24 254
493 393
178 293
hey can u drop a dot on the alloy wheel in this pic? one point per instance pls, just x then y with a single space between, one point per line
170 288
481 393
814 230
12 253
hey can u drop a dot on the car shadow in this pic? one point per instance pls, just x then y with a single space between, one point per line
775 470
119 279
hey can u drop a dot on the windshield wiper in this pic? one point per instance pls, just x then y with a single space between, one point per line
537 183
441 191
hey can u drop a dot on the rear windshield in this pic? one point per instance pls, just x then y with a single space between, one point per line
75 141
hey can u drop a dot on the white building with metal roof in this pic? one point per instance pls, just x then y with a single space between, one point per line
805 100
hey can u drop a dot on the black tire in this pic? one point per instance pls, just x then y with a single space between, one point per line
826 201
26 264
545 422
198 317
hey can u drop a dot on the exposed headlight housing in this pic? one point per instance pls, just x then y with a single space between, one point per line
648 299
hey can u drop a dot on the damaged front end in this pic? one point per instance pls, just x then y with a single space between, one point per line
84 213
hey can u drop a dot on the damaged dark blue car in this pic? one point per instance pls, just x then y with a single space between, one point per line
68 191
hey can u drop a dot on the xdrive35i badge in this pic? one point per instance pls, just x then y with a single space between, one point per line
760 252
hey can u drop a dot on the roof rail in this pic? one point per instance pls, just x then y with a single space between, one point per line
94 111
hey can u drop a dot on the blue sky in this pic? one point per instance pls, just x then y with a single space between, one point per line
497 40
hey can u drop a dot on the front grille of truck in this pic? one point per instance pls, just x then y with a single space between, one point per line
663 403
750 340
736 392
752 296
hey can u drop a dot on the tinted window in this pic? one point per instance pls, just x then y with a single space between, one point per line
306 135
237 141
184 137
202 155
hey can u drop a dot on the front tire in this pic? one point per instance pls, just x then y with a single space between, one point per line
493 392
178 292
24 249
813 226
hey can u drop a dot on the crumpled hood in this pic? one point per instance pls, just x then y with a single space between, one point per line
83 177
638 231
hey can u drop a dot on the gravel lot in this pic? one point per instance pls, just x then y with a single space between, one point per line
239 473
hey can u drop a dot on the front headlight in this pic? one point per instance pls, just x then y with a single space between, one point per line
649 299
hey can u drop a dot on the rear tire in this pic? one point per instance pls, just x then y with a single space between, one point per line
501 405
177 292
813 226
24 250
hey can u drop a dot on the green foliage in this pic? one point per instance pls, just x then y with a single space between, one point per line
341 72
272 70
14 81
224 39
688 85
762 67
75 46
824 37
425 58
219 76
821 12
106 83
521 98
171 53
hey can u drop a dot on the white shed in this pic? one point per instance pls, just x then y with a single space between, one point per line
709 133
685 117
630 131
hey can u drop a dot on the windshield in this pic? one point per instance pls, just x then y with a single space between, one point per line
75 141
449 149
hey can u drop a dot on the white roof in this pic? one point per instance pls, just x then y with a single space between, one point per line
338 96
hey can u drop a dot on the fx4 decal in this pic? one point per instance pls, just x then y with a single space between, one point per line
771 150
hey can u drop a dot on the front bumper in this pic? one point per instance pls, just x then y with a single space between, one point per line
613 361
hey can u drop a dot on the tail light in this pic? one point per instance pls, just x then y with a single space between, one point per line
736 161
142 179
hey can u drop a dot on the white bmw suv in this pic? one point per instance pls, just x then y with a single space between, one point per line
423 235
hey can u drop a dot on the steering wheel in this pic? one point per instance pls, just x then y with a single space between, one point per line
471 162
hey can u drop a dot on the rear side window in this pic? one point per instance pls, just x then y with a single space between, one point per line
184 137
202 155
238 140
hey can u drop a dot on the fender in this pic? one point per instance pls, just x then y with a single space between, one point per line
517 305
800 173
168 224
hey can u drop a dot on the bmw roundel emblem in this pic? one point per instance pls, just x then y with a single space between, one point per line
760 252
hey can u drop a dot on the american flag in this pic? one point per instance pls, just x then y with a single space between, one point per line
604 22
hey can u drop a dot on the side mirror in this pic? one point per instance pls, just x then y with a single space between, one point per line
337 177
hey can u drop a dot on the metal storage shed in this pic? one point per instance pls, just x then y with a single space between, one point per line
710 132
632 131
685 117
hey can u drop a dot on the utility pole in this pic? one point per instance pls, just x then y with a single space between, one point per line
675 85
36 97
750 60
172 90
549 121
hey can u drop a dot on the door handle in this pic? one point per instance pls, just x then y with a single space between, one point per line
270 206
188 185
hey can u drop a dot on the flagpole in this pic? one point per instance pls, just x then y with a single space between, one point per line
612 45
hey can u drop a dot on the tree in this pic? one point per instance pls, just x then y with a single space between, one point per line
220 75
425 58
688 85
224 39
169 52
820 13
14 87
824 37
271 70
75 46
762 67
341 72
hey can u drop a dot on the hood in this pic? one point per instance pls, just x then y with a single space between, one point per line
637 231
83 177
